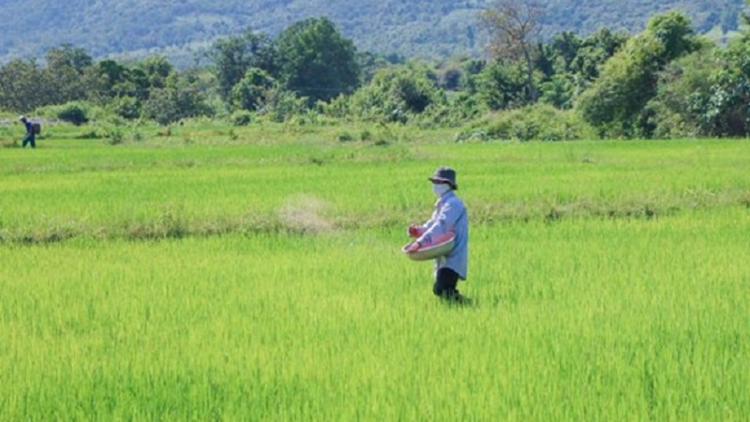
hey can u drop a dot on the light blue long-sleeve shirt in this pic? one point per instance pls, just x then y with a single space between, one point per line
450 215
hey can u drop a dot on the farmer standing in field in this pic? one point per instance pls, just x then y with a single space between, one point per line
449 215
29 138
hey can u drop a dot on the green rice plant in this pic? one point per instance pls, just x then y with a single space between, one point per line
584 319
246 281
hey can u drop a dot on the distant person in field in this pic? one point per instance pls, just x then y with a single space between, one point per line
449 215
30 138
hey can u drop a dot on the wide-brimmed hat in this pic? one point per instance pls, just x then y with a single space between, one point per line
444 175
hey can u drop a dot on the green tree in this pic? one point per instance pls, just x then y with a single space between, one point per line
559 91
157 69
370 63
69 56
21 84
395 93
74 112
117 80
182 97
726 110
684 92
564 49
318 62
514 27
126 107
503 86
235 55
67 74
616 102
675 32
253 90
594 51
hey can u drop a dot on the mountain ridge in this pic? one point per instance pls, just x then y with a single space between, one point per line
437 28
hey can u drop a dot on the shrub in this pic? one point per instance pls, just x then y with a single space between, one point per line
241 118
282 105
127 108
539 122
73 112
251 92
115 136
393 96
345 137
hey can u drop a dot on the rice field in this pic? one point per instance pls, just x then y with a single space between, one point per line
260 278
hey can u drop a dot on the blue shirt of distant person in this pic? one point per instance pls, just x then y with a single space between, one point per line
450 214
29 138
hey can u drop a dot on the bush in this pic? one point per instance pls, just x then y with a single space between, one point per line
242 118
345 137
282 105
393 96
251 92
115 136
127 107
539 122
74 112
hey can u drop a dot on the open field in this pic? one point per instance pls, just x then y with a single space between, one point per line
256 276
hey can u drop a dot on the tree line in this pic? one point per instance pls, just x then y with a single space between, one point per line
666 81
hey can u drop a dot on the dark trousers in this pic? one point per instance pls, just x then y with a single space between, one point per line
445 283
29 139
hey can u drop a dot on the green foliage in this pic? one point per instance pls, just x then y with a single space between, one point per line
241 118
67 75
705 95
234 56
538 122
503 86
76 113
725 111
684 90
162 107
183 97
115 136
282 105
616 102
345 137
394 94
559 91
317 62
455 111
251 92
310 75
114 79
127 107
514 28
20 86
581 58
675 32
158 69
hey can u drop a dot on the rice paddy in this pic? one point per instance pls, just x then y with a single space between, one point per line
260 278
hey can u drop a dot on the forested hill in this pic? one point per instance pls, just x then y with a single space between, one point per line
414 27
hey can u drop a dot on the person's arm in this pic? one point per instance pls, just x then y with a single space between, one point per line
443 221
416 231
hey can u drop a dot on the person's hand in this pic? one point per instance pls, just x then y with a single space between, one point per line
412 247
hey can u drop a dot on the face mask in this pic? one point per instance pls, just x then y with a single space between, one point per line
440 189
